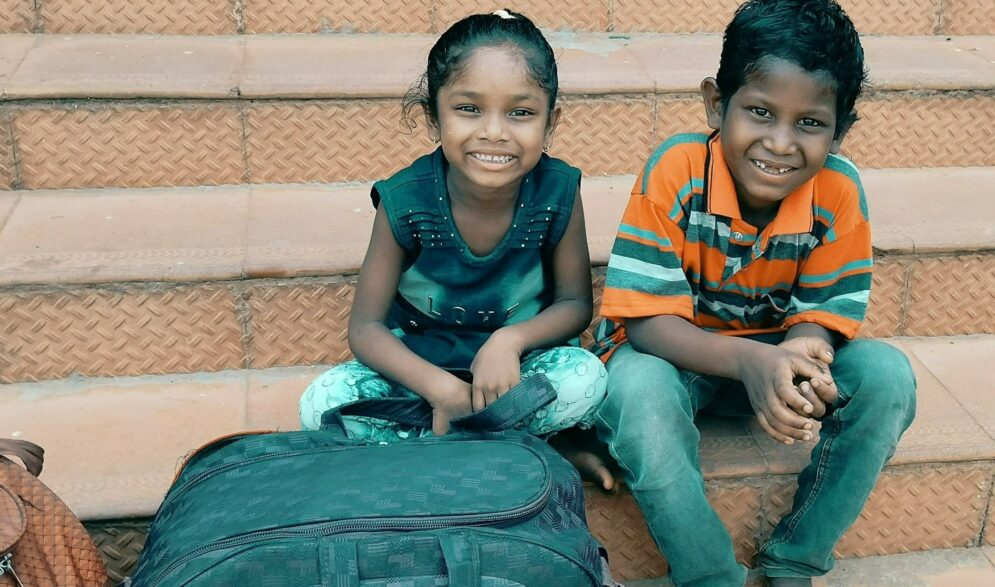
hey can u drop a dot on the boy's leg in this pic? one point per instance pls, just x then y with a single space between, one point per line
579 379
647 421
348 382
859 434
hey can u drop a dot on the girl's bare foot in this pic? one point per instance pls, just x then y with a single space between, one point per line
587 455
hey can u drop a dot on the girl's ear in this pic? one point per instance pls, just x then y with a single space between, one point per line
434 132
554 121
713 102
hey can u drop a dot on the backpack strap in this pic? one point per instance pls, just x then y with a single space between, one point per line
506 412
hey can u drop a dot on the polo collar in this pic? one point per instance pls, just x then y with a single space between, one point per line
793 217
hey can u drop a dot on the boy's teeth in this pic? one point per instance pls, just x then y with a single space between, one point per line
765 167
492 158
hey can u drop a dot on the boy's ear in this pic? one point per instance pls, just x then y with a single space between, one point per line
837 143
713 102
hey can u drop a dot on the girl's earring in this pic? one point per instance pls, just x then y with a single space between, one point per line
545 148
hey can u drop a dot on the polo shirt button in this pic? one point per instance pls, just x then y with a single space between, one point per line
737 235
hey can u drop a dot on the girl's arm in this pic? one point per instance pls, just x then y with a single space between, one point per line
497 367
378 348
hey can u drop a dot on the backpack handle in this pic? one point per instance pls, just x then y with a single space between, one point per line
509 410
32 455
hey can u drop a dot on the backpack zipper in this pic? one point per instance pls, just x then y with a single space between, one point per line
7 566
368 525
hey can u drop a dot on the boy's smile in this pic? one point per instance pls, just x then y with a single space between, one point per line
492 122
776 131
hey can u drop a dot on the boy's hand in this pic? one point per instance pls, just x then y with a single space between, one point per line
496 369
816 391
769 374
450 400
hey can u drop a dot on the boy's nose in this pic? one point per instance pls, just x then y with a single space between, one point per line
780 140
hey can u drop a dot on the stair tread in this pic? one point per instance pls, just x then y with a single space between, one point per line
113 444
195 234
122 66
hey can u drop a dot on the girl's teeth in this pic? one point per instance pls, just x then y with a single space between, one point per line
493 158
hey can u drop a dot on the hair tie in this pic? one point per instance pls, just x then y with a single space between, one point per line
504 14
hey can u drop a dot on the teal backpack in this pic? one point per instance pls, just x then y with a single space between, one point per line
484 506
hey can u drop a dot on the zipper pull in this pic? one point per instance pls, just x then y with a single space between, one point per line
7 566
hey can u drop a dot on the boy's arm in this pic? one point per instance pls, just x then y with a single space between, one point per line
378 348
768 372
497 367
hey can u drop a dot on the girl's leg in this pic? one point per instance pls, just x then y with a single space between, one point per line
348 382
580 381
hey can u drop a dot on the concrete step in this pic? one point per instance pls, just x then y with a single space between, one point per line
113 445
150 111
155 281
960 567
208 17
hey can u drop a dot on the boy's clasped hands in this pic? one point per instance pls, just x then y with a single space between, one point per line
789 385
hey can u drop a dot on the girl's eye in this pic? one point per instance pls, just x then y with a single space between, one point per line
467 108
761 112
521 112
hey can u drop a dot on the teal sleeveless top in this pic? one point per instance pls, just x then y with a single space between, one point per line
449 300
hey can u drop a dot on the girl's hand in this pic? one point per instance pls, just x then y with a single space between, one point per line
496 368
449 400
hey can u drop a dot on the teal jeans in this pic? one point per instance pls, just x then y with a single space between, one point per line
647 421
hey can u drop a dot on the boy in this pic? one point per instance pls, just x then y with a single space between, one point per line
742 260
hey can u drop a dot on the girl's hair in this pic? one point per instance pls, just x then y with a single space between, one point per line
449 55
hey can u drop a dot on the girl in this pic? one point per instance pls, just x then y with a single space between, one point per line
478 262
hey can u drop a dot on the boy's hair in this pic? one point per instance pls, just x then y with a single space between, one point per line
448 57
816 35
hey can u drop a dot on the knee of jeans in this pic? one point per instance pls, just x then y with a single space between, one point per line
649 396
885 380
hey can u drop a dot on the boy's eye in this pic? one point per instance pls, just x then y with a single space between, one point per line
761 112
521 112
811 122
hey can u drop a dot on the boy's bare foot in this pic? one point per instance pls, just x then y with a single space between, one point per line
789 582
587 455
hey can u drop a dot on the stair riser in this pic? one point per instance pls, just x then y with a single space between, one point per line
76 145
138 329
210 17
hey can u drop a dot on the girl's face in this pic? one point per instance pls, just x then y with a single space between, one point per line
493 121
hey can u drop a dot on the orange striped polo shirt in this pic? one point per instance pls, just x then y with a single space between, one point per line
683 249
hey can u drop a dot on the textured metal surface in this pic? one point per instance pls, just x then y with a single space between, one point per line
912 510
888 292
951 295
120 544
103 333
617 522
932 131
174 17
300 325
604 137
352 141
676 115
7 175
568 15
894 17
128 147
989 537
968 17
311 16
17 16
738 505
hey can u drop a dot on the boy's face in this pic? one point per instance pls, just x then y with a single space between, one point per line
776 130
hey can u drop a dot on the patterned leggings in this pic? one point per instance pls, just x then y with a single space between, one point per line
578 377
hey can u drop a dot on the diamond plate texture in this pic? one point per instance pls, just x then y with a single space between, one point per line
300 325
128 147
98 333
598 288
312 16
618 524
120 544
604 137
989 537
354 141
17 16
7 174
880 17
968 17
173 17
934 131
951 295
675 115
739 506
910 509
564 15
888 292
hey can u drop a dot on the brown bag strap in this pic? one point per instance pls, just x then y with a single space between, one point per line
32 455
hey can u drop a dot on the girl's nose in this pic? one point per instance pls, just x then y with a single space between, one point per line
492 127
